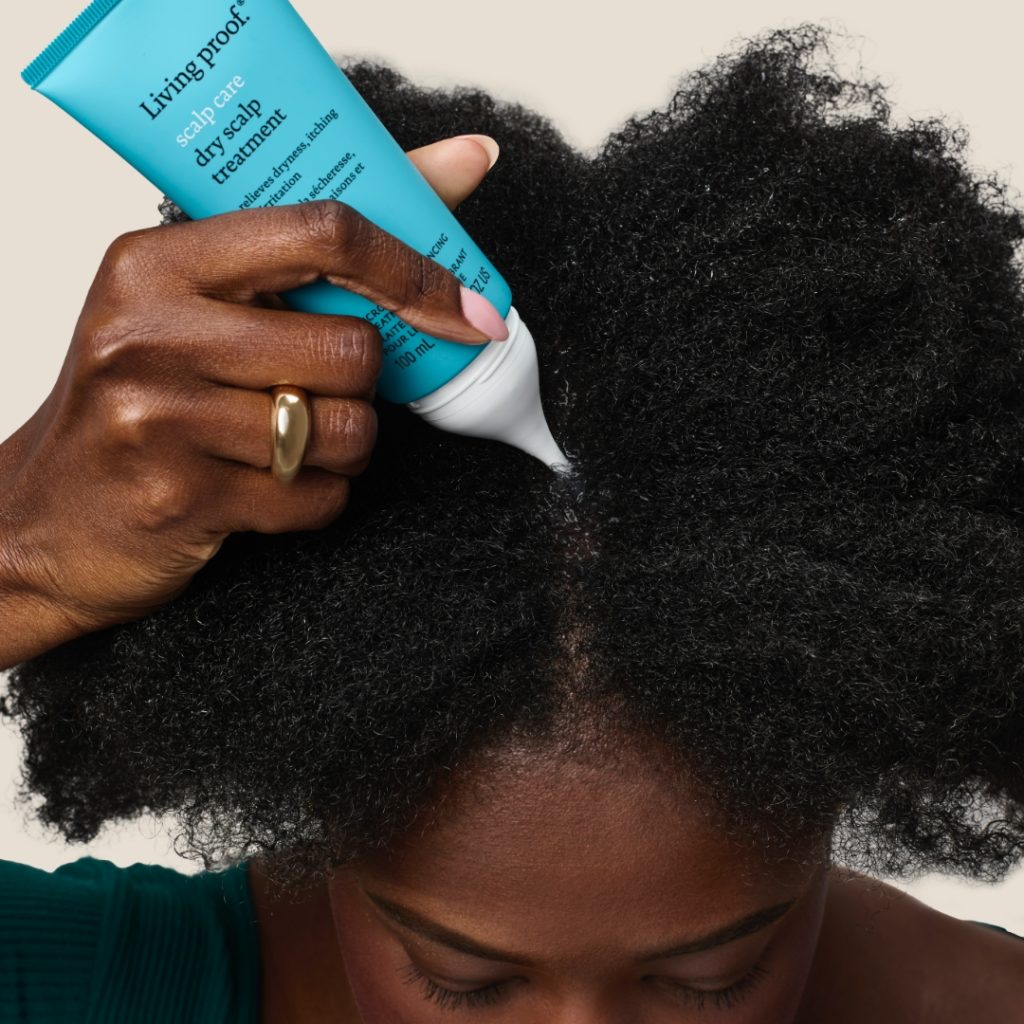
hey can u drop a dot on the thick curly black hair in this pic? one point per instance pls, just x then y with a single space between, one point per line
782 337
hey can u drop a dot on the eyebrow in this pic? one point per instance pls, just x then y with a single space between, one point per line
435 932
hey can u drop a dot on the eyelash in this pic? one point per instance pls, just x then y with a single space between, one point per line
450 999
722 998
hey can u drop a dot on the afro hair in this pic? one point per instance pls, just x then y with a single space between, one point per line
782 339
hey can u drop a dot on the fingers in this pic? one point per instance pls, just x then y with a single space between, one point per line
455 167
253 499
250 347
235 424
245 253
156 444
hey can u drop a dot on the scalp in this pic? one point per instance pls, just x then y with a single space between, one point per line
781 338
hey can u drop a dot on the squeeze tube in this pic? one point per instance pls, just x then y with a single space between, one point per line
232 106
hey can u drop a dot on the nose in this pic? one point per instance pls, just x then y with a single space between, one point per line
588 1008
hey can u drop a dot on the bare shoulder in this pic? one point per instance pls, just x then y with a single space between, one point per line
896 960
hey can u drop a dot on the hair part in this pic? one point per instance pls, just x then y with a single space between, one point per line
781 339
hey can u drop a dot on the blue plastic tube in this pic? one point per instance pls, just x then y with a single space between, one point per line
233 106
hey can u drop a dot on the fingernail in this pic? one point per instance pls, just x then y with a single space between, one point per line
482 315
488 143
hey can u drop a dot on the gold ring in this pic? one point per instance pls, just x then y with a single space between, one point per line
290 431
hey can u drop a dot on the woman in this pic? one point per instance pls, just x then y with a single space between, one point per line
488 747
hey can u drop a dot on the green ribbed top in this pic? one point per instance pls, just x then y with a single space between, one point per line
92 943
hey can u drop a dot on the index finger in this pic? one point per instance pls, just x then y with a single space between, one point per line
244 253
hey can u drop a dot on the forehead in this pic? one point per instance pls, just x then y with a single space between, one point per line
554 850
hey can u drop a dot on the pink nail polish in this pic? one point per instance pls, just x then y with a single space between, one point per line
482 315
489 145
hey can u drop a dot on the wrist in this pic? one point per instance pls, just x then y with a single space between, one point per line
32 617
31 627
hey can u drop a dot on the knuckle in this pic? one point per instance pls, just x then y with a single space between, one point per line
163 499
130 424
114 344
331 223
362 352
359 427
347 432
123 258
423 282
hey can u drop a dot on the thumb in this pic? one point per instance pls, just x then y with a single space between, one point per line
455 167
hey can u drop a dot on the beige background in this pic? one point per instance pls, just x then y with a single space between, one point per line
586 64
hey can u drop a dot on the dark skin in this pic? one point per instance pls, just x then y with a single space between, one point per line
154 445
559 883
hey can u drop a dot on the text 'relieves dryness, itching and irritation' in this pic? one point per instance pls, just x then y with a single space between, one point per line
239 106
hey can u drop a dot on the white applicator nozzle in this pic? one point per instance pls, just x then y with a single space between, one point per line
497 396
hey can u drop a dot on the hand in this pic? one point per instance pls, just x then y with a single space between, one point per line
154 444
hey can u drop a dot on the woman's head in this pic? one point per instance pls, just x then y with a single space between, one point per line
548 886
781 338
